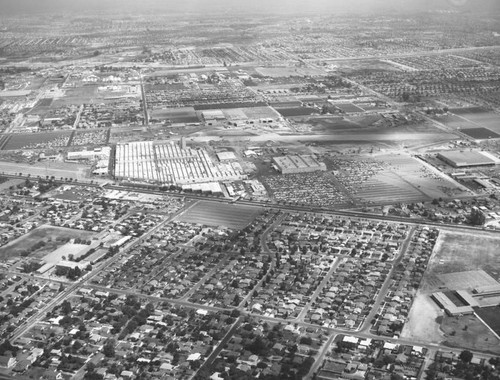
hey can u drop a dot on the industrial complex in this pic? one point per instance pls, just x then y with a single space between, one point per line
169 164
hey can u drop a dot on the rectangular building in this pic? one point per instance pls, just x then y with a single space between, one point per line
298 164
465 159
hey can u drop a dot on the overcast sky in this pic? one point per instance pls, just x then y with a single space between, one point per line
261 6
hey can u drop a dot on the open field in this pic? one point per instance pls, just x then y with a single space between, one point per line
56 169
469 332
353 65
466 251
288 71
490 316
76 95
421 323
176 115
54 237
330 123
220 214
467 280
64 252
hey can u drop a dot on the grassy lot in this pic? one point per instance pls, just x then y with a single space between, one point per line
470 333
54 237
220 214
490 316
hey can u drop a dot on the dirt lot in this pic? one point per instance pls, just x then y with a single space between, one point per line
422 324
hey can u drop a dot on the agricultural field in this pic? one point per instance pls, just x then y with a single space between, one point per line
487 120
480 133
297 111
220 214
349 108
176 115
38 140
53 237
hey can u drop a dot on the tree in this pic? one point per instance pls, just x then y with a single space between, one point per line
465 356
66 307
109 348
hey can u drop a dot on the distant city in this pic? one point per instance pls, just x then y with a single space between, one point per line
229 191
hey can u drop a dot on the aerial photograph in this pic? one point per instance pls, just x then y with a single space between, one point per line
250 189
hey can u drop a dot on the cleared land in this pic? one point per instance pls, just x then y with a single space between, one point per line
56 169
421 323
466 251
220 214
467 280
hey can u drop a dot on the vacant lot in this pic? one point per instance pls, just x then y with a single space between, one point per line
421 323
53 237
77 95
330 123
460 251
220 214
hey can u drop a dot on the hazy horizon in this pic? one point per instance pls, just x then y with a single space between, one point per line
229 6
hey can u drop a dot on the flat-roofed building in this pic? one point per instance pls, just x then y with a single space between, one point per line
298 164
451 309
168 163
464 159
